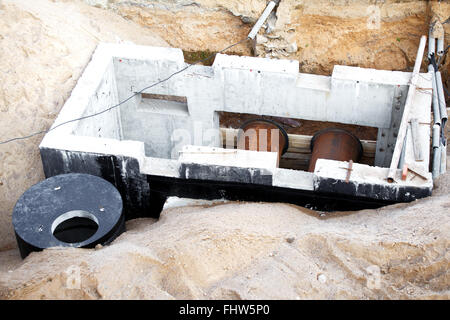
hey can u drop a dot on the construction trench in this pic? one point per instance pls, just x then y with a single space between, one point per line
153 126
166 140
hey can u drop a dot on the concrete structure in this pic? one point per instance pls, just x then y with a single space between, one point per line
136 146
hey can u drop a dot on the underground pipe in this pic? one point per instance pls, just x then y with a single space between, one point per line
440 46
436 164
431 46
435 98
334 144
263 135
443 166
441 96
436 136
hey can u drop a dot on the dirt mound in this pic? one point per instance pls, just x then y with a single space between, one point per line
253 251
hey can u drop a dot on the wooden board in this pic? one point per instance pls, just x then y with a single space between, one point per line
299 152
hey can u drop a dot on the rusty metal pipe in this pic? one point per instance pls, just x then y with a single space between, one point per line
263 135
334 144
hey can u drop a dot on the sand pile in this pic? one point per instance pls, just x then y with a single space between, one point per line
252 251
44 47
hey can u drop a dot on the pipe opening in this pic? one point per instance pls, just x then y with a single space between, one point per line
74 226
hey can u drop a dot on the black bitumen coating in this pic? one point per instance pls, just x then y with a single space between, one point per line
144 195
225 174
123 172
375 191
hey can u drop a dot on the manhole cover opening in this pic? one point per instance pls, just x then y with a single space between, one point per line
75 226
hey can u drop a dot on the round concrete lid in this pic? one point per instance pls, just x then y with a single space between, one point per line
61 197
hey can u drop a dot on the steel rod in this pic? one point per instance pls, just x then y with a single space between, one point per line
431 46
436 107
441 96
443 167
436 166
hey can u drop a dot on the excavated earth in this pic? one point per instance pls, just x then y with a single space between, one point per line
222 249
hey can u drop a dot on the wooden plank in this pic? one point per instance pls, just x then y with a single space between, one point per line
420 110
416 140
406 112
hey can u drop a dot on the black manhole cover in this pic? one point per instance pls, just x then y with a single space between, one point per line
68 210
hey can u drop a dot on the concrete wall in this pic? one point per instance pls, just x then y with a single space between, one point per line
107 124
147 134
248 85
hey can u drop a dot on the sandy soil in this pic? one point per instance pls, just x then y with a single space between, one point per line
252 251
42 54
322 32
225 250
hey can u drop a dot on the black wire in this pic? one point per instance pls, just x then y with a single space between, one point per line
122 102
432 60
445 53
441 59
446 91
436 65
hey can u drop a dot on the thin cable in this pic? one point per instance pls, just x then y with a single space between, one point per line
442 57
436 65
446 91
124 101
